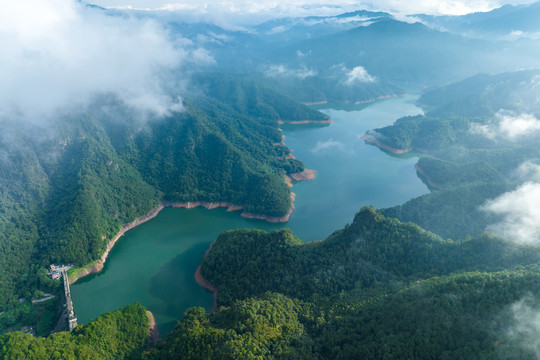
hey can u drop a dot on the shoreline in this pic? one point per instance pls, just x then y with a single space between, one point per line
305 175
272 219
374 141
429 181
100 263
199 279
355 102
302 122
153 333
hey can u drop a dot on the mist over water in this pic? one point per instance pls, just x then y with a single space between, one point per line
154 263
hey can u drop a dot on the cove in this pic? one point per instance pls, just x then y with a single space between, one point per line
154 264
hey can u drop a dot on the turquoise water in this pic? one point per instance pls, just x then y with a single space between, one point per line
154 263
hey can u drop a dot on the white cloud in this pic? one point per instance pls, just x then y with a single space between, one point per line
528 171
282 70
525 328
519 211
277 30
249 11
329 144
60 53
508 125
518 34
358 75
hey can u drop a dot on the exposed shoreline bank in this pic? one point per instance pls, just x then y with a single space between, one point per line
302 122
374 141
429 181
305 175
199 278
99 264
153 333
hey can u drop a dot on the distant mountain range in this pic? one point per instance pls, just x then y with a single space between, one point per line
509 21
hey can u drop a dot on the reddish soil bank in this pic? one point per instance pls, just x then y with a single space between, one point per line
207 205
307 174
207 286
271 219
302 122
316 103
152 330
429 181
98 266
100 263
372 140
199 278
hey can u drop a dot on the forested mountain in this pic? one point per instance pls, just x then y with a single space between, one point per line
377 288
440 276
122 334
510 21
485 95
393 51
293 30
65 196
477 133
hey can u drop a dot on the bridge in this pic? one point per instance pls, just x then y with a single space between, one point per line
68 306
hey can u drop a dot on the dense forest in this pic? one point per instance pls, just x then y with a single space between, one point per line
378 288
383 287
121 334
435 277
65 195
467 155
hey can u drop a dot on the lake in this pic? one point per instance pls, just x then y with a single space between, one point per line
154 264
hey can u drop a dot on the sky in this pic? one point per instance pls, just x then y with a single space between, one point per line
259 9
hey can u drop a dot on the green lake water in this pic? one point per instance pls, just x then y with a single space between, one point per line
154 264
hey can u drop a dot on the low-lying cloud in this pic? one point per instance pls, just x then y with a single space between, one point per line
353 76
528 171
525 328
518 210
316 7
61 54
358 75
282 70
507 125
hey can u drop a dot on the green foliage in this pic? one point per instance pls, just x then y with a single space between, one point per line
371 250
446 174
122 334
484 95
211 153
265 328
451 213
378 288
464 169
63 197
257 98
423 133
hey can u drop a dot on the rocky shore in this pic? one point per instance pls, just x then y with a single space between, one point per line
307 174
302 122
199 278
372 140
429 181
153 333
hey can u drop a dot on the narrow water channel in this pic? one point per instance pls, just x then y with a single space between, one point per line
154 263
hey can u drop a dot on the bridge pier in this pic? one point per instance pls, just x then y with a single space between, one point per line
70 312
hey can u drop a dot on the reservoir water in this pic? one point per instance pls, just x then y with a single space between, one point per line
154 264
